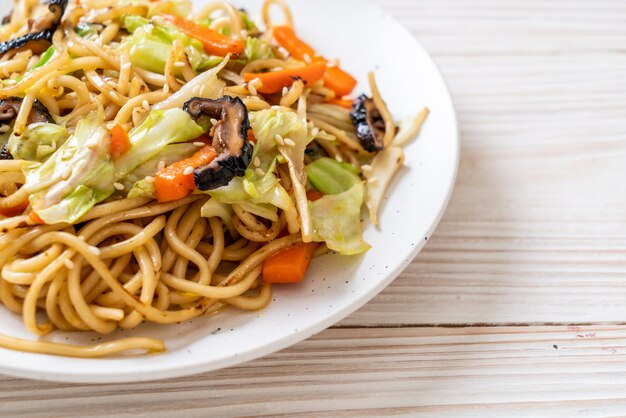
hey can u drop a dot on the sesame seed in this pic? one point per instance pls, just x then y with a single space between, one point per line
118 186
188 171
68 263
166 88
257 162
279 139
290 142
307 58
285 91
214 121
179 64
260 172
94 250
161 165
199 144
338 158
150 179
145 105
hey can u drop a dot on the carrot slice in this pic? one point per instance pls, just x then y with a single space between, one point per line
299 49
251 136
120 142
175 182
274 81
314 195
339 81
335 78
341 102
289 266
35 218
15 210
214 42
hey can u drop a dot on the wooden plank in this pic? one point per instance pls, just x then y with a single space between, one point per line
536 229
372 372
535 233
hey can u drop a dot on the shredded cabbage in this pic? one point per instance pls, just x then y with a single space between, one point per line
76 177
81 173
258 49
37 142
142 188
336 221
161 128
213 208
150 44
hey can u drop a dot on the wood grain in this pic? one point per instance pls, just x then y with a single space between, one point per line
373 372
535 234
536 228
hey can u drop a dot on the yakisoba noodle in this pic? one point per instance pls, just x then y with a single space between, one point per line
140 247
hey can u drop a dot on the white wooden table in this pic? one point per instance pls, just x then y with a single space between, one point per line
514 307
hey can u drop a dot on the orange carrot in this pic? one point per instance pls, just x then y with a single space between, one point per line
335 78
15 210
251 137
35 218
299 49
341 102
274 81
175 182
120 143
214 42
339 81
289 266
314 195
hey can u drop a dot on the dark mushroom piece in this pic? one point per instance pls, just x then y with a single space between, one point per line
41 30
230 140
7 18
9 108
369 124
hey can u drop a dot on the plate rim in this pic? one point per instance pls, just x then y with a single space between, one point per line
172 371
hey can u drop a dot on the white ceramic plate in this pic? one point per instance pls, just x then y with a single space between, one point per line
364 38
